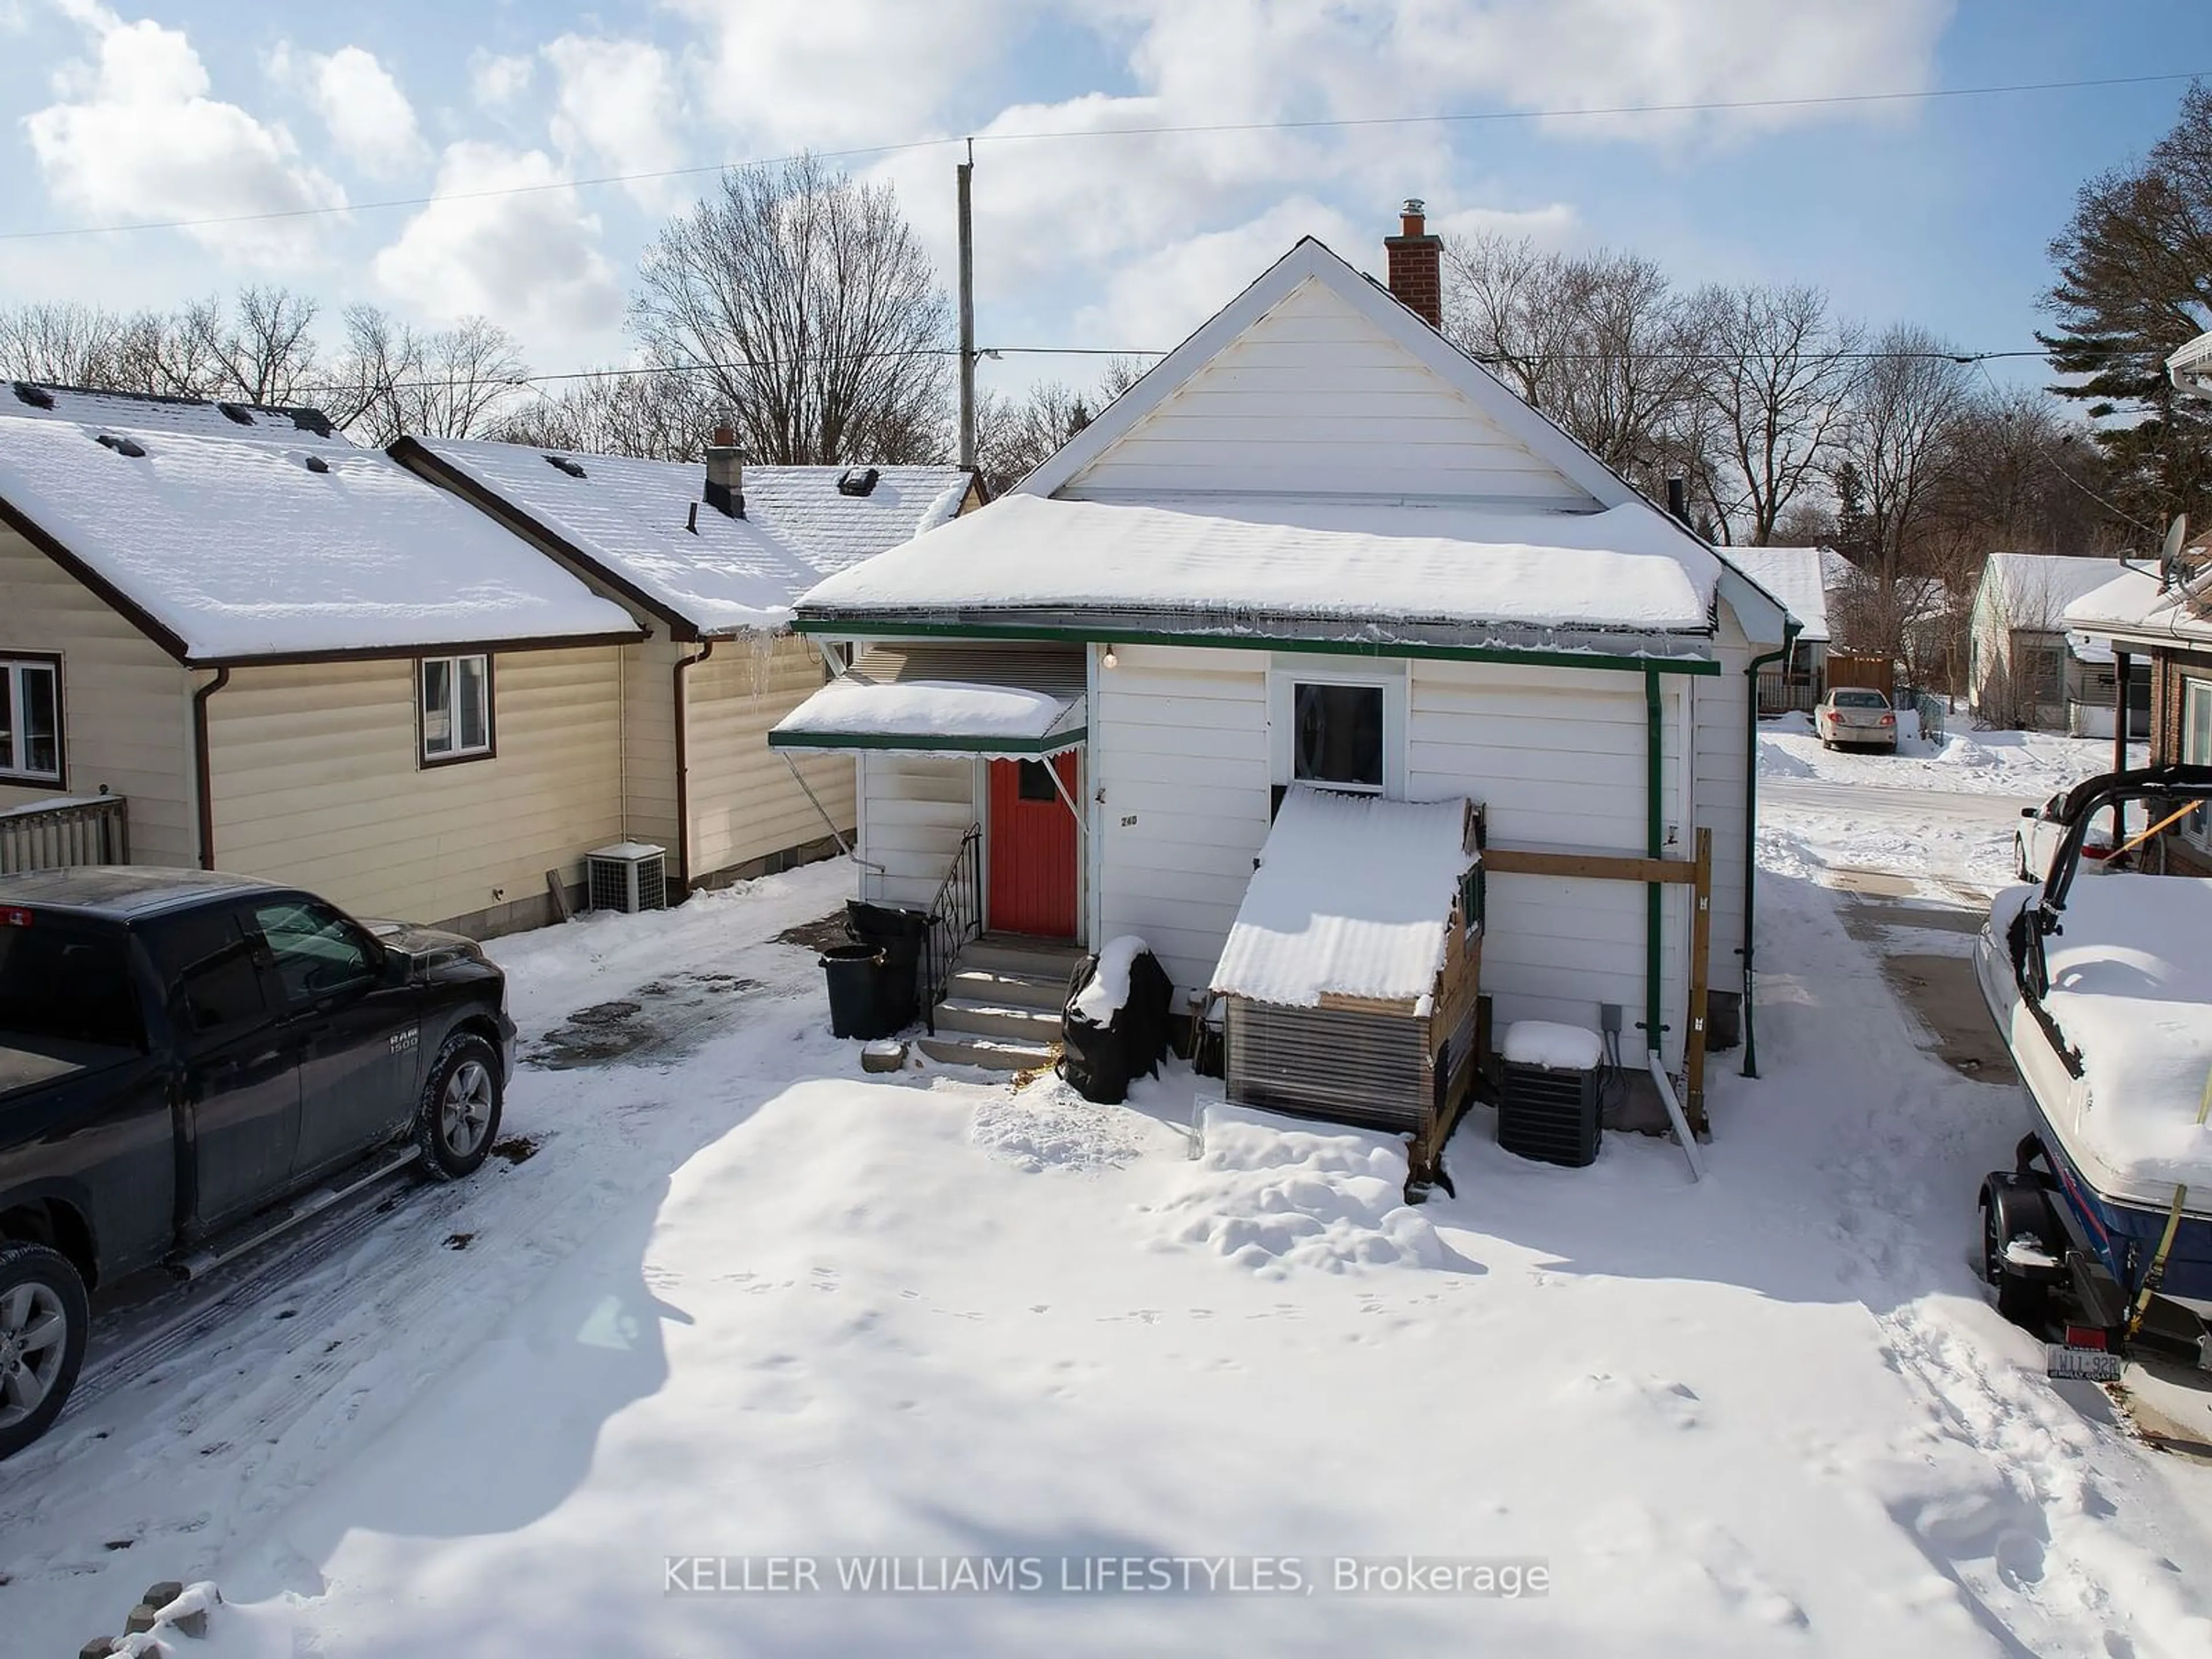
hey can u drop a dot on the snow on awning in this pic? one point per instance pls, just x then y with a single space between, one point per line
946 701
1351 899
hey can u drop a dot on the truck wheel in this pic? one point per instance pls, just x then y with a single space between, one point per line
44 1317
460 1116
2012 1208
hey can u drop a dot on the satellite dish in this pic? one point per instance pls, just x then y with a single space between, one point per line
2169 557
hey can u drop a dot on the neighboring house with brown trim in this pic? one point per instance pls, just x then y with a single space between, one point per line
2140 615
298 660
709 561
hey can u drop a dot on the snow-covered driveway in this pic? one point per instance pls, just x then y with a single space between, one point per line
745 1303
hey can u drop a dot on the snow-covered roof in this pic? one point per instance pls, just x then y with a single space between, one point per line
630 519
1798 576
1351 899
946 700
2133 607
232 548
1241 566
146 412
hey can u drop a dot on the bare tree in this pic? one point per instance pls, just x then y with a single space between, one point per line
264 353
806 306
660 416
1901 421
454 383
65 345
1015 435
1777 370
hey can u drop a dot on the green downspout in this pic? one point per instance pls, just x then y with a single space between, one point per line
1655 787
1790 628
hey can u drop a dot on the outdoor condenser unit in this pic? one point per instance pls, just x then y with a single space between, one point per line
1549 1114
630 876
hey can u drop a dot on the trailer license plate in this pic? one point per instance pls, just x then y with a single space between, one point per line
2082 1365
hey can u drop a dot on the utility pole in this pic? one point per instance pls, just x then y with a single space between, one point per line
967 172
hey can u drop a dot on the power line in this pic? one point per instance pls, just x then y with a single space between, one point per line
1318 123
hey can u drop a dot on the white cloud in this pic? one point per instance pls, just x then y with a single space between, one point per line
1556 225
614 104
367 115
1150 303
134 136
837 72
496 81
529 258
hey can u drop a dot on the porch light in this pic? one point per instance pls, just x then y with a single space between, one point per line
1109 660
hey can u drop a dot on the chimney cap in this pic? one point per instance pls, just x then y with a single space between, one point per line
725 437
1415 206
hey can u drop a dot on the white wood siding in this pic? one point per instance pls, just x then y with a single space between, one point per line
1721 710
126 709
317 782
1314 399
1557 758
744 803
913 810
1178 747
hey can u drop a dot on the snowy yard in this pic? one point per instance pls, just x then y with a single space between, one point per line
742 1302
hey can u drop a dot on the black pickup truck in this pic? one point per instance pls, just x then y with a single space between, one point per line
188 1062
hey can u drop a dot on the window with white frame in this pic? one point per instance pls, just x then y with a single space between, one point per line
31 720
2196 749
456 709
1338 726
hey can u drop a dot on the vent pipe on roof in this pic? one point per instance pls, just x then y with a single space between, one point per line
1678 498
1417 265
725 474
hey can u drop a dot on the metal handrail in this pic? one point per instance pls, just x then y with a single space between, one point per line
956 915
94 830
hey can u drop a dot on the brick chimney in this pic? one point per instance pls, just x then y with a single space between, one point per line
725 474
1417 265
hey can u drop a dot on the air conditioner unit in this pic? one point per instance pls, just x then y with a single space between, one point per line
630 876
1549 1114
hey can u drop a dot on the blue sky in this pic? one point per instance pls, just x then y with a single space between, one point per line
1935 211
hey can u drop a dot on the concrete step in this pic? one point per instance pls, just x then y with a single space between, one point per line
965 1017
1004 987
1043 959
992 1054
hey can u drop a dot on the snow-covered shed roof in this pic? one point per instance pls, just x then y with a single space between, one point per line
1328 568
1351 899
2133 608
229 549
151 412
1023 702
1798 576
628 521
1316 462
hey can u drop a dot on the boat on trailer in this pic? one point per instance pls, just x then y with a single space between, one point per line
2102 989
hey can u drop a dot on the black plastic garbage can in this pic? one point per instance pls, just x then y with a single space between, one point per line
856 977
897 932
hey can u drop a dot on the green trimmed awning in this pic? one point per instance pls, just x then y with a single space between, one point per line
1013 704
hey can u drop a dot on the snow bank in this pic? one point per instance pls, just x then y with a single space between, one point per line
1108 989
1273 1194
1351 898
1563 1048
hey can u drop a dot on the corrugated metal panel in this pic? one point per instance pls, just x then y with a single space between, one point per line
1056 670
1336 1063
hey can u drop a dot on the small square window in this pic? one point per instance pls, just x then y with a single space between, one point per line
456 709
1337 735
30 719
1035 781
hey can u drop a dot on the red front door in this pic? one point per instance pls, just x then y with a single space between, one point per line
1033 858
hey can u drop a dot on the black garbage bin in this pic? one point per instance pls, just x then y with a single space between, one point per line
856 977
897 931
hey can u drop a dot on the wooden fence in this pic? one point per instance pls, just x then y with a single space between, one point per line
96 830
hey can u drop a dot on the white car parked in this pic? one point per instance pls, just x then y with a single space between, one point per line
1857 716
2041 829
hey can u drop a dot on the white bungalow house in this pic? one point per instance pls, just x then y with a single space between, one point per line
1805 579
707 561
231 638
1316 544
2028 667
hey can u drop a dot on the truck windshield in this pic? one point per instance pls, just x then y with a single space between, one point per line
65 984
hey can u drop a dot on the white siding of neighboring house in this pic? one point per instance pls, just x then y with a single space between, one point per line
317 782
744 803
1179 748
1721 712
1181 751
126 710
912 811
1315 398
